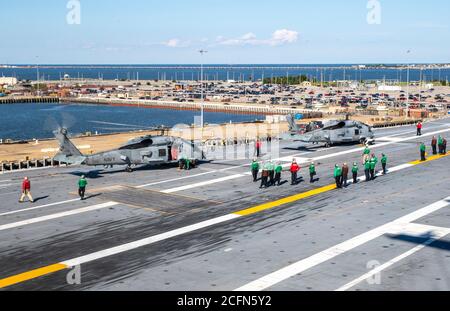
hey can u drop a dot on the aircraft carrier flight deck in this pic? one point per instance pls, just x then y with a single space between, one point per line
213 228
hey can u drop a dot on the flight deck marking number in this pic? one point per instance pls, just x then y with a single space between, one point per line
374 14
376 278
74 276
73 17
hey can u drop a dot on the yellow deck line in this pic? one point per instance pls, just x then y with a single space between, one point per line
285 201
26 276
432 158
301 196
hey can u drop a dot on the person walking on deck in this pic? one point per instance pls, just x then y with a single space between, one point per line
338 176
312 172
423 151
271 168
419 129
255 170
264 177
278 171
345 170
26 191
367 170
82 183
434 143
373 165
295 168
440 144
384 161
355 170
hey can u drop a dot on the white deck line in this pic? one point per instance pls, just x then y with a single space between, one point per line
57 215
287 272
436 234
147 241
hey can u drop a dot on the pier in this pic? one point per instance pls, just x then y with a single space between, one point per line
28 100
27 164
207 106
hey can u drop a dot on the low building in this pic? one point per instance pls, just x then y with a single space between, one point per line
418 113
389 88
123 95
64 93
8 81
182 87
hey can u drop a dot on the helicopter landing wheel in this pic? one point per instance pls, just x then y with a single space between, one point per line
129 169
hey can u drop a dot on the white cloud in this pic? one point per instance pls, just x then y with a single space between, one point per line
173 43
176 43
249 36
279 37
247 39
284 36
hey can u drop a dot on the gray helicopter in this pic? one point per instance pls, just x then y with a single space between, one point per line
330 133
145 150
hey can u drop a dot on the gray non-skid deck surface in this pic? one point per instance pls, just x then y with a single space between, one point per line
231 254
154 200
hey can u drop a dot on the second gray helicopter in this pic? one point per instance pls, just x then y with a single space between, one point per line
330 133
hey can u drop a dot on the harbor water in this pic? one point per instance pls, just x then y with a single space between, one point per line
223 72
38 121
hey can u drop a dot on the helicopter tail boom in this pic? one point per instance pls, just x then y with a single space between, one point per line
68 152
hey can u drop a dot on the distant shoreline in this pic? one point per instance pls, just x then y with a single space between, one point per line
228 66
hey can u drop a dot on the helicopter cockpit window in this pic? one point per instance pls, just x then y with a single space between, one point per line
142 144
162 152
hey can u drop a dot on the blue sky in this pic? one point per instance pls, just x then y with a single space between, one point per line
233 32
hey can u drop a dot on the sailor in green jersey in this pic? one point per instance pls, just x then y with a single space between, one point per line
384 160
423 150
440 143
255 170
188 164
367 170
278 170
82 183
355 170
366 154
312 172
271 169
373 165
338 176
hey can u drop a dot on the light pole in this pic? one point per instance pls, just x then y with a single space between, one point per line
407 81
201 81
37 73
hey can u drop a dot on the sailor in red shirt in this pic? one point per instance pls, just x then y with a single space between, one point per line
258 145
295 168
419 129
26 190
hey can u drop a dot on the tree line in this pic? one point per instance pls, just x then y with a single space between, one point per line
291 80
